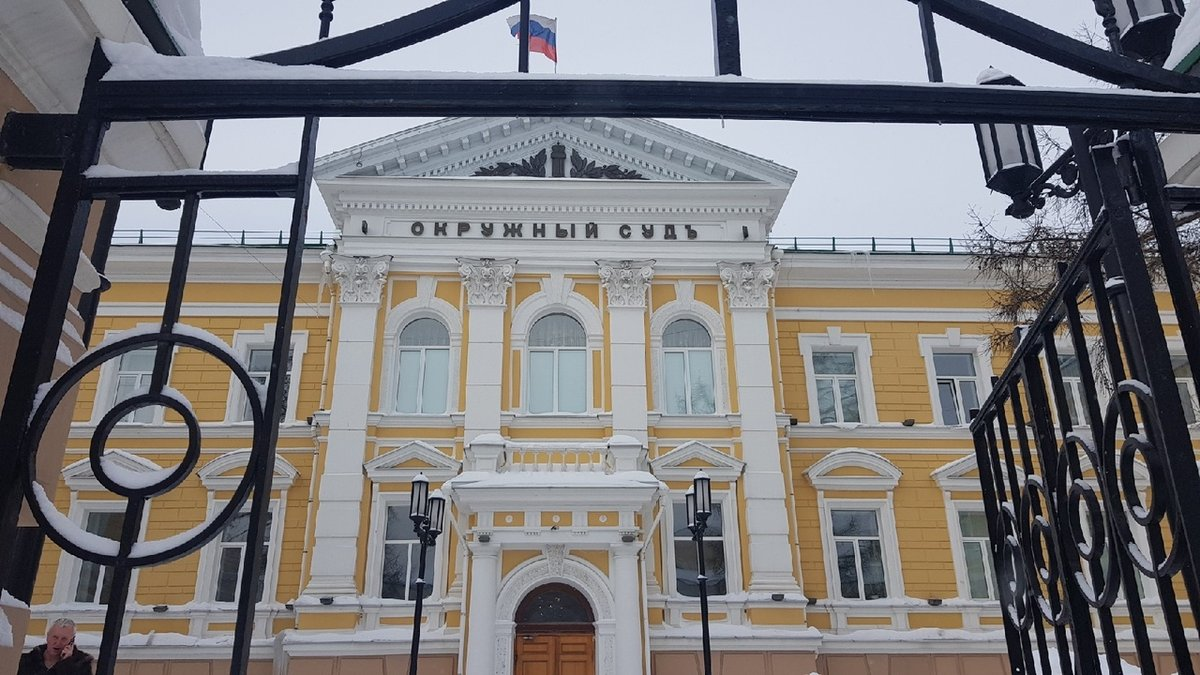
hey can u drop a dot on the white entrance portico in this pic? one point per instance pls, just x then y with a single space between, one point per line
562 502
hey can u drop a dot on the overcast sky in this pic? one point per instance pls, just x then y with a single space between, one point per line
853 179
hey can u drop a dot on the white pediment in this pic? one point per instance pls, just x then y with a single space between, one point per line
79 475
854 469
628 147
682 463
405 462
226 471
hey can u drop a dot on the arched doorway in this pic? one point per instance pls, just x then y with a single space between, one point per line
556 633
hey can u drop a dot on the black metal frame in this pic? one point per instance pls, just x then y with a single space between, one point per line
698 528
428 538
1028 503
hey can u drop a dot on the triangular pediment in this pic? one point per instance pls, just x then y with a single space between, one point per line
590 147
226 471
402 464
682 463
79 475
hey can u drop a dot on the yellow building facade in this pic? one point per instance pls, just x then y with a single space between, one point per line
560 352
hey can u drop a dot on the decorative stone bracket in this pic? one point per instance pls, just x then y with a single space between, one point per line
359 279
487 279
626 281
748 283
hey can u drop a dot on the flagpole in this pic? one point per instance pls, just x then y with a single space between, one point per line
556 46
523 41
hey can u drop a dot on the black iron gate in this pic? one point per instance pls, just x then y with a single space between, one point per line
1061 572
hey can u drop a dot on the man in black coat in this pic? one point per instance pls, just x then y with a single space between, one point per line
59 655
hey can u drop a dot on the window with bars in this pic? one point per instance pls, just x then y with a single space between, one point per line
688 387
93 582
401 551
687 566
134 370
977 556
957 386
557 365
836 378
231 547
859 550
423 367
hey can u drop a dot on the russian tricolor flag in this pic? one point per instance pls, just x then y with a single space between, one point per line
542 33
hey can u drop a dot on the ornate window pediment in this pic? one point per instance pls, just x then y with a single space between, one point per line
684 461
225 472
79 476
854 469
405 462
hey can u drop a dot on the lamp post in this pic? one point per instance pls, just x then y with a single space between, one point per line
427 513
699 507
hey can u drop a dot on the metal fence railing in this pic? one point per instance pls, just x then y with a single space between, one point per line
943 245
256 238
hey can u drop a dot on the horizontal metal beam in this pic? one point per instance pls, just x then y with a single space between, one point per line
178 186
1055 47
351 48
1183 197
126 100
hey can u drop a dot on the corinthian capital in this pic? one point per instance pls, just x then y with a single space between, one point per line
359 278
487 279
748 283
626 281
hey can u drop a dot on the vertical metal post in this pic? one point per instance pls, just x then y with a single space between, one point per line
37 348
702 580
933 58
422 530
523 39
326 17
727 42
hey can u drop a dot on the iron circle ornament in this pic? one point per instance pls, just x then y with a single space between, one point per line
1012 577
1123 483
86 546
1039 532
1090 537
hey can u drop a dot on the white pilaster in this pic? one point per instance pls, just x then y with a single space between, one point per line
481 614
625 282
487 282
748 286
339 507
626 609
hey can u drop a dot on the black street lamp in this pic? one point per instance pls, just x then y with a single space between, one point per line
698 503
1147 27
427 513
1011 161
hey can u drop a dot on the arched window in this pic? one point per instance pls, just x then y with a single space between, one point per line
557 365
424 367
687 369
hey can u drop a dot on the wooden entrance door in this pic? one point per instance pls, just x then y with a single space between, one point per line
556 633
556 654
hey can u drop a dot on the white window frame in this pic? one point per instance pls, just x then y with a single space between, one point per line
423 350
589 403
953 341
243 342
730 537
889 543
957 542
210 564
375 550
106 384
425 305
833 340
687 365
70 567
685 306
1176 350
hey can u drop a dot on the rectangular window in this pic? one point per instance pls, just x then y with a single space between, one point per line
859 553
687 566
94 580
957 386
977 556
133 377
1187 387
836 378
400 558
259 368
1068 367
231 548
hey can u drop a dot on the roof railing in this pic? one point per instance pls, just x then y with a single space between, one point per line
252 238
942 245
